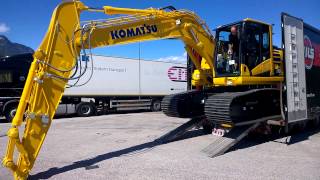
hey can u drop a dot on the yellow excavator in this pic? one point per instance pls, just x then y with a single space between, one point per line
233 81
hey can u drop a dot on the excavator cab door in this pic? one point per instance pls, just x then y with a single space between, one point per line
255 44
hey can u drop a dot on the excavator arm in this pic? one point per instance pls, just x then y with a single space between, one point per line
56 58
151 24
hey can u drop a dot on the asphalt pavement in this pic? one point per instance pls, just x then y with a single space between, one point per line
121 146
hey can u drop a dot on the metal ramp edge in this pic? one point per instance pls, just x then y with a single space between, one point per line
180 130
235 135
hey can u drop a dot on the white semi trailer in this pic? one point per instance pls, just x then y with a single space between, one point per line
115 84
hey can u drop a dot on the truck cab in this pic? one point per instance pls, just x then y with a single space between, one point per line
13 73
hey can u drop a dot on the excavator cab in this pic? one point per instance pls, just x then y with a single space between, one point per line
227 56
244 54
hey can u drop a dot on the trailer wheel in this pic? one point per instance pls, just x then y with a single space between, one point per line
297 127
317 122
156 105
207 127
85 109
10 112
313 123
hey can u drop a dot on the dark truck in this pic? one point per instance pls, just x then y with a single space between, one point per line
13 73
301 45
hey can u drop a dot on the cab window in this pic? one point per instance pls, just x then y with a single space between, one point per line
227 61
256 45
5 77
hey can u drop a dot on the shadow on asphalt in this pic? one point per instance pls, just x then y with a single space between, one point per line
102 114
245 143
91 163
290 139
3 120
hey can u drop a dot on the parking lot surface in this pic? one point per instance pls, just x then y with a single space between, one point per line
121 146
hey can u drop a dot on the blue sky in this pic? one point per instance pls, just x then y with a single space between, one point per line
26 21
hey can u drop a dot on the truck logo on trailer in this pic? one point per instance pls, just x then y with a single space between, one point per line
308 52
132 32
178 74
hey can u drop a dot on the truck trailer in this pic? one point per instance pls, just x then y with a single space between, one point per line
109 84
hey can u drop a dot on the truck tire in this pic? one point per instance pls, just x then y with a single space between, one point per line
85 109
156 105
10 112
207 127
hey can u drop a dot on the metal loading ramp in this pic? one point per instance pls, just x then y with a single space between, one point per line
181 130
222 144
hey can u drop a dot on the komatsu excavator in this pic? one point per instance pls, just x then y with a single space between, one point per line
228 88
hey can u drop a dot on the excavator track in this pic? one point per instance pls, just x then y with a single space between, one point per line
184 105
238 107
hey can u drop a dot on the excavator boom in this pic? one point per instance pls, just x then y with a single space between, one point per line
56 58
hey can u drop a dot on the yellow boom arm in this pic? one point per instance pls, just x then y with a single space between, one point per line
58 53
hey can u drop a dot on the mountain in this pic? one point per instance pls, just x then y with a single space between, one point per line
8 48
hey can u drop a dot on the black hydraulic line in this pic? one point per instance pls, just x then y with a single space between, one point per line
171 8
